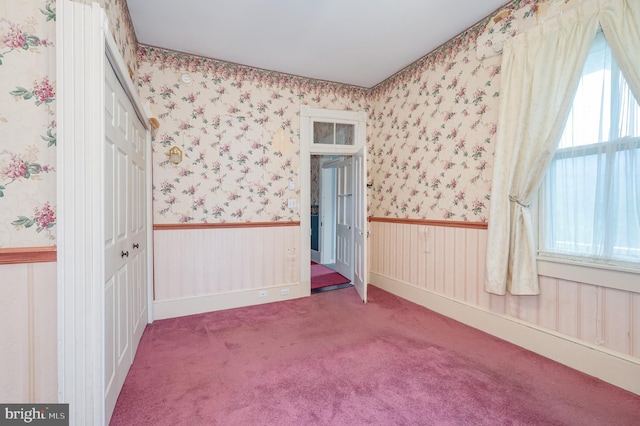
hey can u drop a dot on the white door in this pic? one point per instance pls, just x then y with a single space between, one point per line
138 232
344 218
125 301
360 271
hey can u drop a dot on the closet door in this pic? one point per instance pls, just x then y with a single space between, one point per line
138 230
125 300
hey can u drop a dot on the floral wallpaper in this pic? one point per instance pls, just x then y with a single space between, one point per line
314 183
28 115
123 33
430 135
432 130
27 124
433 140
238 129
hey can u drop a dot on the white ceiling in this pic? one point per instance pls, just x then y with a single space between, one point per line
359 42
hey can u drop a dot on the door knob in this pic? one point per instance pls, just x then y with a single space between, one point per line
136 245
124 253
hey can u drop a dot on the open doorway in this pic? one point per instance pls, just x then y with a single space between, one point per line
342 134
331 222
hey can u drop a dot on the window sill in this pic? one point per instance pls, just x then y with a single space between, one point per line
610 276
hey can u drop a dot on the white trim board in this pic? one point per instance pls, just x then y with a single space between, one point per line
79 60
609 276
615 368
173 308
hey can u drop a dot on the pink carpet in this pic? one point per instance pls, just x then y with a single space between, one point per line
321 276
329 359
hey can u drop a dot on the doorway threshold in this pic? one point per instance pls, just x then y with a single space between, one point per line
331 287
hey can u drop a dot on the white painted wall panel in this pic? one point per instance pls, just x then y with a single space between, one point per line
512 306
450 261
45 360
470 278
617 320
635 325
200 262
407 255
390 258
441 250
588 330
460 257
567 308
548 303
529 309
498 304
484 298
430 257
415 251
14 337
28 349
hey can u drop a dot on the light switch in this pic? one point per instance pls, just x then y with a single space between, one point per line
292 185
292 204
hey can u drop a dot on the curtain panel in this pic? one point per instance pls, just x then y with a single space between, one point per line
540 72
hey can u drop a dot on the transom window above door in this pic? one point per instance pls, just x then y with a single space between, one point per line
333 133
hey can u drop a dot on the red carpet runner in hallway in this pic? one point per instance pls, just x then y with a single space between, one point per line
321 276
329 359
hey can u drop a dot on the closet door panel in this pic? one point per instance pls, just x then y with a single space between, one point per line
125 300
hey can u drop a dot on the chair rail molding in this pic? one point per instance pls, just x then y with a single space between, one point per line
15 255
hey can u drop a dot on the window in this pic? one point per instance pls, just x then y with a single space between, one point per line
333 133
590 198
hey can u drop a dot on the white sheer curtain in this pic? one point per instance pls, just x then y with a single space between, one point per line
620 22
591 194
540 72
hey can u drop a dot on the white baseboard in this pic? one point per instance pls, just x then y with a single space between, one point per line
615 368
173 308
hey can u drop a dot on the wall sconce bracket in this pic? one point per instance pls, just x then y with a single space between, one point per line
175 155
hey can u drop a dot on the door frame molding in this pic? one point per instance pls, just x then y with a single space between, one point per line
84 43
307 116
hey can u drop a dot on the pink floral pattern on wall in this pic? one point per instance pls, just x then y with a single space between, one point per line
314 181
27 124
431 130
124 34
433 142
238 128
28 115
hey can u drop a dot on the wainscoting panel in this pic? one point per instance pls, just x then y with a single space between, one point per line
635 323
449 261
211 262
28 348
617 320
